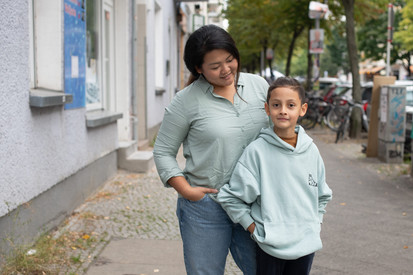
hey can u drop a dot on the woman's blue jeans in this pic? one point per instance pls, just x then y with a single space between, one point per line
208 233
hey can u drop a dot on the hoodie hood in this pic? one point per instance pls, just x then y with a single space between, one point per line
303 140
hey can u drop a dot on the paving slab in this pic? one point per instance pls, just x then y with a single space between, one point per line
139 257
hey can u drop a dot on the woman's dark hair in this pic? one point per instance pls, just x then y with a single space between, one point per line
206 39
287 82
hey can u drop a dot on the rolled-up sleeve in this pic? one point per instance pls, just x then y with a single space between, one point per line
173 130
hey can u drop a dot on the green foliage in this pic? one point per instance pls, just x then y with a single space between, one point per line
373 37
337 50
260 24
299 63
283 26
404 34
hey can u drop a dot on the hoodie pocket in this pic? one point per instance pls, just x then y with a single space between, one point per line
282 235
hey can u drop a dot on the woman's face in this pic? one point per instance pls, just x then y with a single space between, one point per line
219 68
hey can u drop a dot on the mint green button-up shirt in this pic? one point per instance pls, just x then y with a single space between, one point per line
214 132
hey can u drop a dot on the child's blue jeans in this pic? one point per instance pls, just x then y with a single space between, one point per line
208 233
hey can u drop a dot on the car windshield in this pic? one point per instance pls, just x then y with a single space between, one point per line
341 90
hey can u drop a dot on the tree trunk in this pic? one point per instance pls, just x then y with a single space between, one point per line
272 77
355 124
296 33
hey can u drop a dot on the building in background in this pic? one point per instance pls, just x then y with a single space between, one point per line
83 88
83 84
191 16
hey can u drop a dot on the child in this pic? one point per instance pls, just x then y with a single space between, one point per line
278 190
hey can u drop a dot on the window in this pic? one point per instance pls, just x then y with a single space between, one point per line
93 68
100 81
159 56
48 25
45 23
31 48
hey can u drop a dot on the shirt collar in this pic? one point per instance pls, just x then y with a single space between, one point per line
204 85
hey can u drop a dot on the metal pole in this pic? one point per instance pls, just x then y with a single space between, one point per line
316 85
389 37
317 56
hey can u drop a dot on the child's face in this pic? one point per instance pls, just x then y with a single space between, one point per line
285 108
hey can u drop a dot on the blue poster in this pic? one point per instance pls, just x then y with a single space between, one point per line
75 51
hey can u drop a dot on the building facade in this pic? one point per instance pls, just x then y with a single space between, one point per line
83 88
78 78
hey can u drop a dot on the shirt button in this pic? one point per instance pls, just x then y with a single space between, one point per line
243 146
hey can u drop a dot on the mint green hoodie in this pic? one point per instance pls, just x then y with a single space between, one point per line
283 190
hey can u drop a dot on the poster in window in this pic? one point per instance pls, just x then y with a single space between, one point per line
75 52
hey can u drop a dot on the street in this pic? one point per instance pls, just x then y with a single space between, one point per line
368 227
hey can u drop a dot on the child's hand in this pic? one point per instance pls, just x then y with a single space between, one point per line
251 228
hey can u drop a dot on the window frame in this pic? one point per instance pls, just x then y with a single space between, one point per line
106 80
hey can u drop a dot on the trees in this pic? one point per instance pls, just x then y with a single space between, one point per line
251 26
404 34
282 25
336 54
373 37
295 21
355 128
260 24
366 10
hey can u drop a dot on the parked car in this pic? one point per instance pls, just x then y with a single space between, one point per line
325 83
345 91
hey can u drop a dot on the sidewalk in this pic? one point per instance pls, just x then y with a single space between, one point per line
368 228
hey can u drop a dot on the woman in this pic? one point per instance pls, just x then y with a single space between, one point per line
215 117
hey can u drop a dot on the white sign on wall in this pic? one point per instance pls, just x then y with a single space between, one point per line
197 21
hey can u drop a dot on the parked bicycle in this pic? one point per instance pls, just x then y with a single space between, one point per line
338 110
345 118
318 112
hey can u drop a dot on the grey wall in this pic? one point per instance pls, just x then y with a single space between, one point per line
38 147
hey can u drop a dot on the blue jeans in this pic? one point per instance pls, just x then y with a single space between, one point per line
208 233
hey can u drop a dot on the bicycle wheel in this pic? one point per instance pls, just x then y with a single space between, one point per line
309 120
335 117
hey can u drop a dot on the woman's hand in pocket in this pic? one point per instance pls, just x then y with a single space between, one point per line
197 193
187 191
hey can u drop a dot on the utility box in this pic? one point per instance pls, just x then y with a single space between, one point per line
392 123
